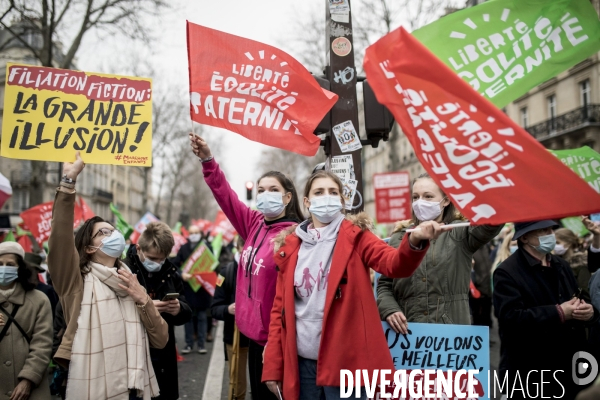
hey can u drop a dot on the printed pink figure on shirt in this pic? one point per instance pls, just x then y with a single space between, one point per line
259 265
306 277
325 279
320 276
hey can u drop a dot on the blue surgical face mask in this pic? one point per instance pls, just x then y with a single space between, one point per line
270 204
547 244
325 208
152 266
113 245
513 249
8 274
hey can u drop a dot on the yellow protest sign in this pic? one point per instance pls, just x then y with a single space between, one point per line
50 113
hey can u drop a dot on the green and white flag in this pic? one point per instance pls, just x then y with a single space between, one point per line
504 48
584 161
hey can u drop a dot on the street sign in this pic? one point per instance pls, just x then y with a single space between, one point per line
392 196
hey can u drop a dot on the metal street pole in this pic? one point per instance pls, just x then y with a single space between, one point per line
341 73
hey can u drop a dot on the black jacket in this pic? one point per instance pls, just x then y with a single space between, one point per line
532 335
225 296
201 299
483 270
167 280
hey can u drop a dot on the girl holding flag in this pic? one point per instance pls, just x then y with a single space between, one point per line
278 207
331 320
438 291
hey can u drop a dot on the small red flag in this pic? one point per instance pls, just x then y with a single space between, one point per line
492 169
224 226
38 220
255 90
86 211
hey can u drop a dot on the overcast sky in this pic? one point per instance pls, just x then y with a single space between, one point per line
267 21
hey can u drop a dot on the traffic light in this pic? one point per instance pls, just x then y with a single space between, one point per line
249 187
325 124
378 119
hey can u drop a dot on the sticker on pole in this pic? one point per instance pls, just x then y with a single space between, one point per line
343 166
349 191
347 137
341 46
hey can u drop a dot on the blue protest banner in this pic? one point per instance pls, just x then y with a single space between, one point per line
444 348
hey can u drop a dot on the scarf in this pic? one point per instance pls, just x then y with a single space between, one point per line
110 353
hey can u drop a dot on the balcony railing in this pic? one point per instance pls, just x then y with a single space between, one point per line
566 122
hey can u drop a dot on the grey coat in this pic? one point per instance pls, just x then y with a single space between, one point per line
18 359
438 291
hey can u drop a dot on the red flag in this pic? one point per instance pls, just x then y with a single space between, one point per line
255 90
25 243
203 224
222 225
179 241
86 211
184 232
208 280
38 220
491 168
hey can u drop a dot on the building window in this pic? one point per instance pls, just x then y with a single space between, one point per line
585 92
524 117
551 106
551 100
20 200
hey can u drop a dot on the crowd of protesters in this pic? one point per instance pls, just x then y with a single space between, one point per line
296 300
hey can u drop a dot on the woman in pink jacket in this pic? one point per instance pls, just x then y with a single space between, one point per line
256 277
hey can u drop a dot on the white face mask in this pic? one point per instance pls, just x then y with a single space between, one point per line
194 237
559 249
427 210
270 204
325 208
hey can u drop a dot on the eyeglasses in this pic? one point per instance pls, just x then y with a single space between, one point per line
104 232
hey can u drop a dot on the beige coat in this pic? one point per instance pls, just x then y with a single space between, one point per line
18 359
63 265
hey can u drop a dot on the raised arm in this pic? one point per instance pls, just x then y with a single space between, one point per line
63 259
401 262
478 236
241 216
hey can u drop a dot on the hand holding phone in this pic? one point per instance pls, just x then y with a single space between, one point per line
170 296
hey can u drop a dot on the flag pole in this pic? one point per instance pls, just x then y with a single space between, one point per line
233 369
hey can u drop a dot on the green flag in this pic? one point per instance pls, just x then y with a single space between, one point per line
200 261
217 245
22 232
9 237
177 228
584 161
504 48
575 224
122 225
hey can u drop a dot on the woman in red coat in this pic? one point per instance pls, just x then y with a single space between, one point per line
324 318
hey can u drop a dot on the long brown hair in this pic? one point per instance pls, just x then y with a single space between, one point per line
325 174
83 240
450 212
292 210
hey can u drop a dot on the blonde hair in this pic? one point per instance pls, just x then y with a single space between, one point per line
157 236
504 250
